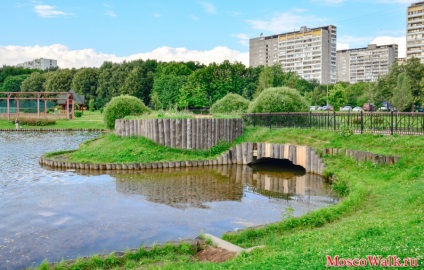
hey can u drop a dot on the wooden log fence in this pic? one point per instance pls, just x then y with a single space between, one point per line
182 133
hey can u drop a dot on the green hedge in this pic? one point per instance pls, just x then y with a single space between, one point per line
231 103
279 99
122 106
35 122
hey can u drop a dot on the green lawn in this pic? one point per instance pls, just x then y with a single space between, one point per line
89 120
383 213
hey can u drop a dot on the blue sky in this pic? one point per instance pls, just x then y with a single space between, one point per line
87 32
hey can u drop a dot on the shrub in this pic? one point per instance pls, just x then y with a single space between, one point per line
78 113
231 103
279 99
122 106
91 105
35 122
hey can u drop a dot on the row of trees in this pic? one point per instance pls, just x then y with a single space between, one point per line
157 84
193 85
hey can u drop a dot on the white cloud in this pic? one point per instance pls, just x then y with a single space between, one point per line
286 22
208 7
110 13
12 55
354 42
47 11
329 2
385 40
243 38
342 46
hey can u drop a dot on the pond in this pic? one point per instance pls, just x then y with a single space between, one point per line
55 214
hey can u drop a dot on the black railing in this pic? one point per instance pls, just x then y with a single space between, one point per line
358 122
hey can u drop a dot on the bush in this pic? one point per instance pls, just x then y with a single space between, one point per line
78 114
122 106
35 122
231 103
279 99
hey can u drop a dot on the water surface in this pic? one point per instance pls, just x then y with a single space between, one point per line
57 214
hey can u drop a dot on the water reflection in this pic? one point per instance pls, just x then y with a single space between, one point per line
195 186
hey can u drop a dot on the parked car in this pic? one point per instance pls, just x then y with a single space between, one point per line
326 108
383 109
313 108
357 109
368 107
420 109
346 108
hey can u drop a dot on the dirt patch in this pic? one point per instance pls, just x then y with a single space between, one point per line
214 254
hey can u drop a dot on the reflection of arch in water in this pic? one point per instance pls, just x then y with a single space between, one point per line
192 187
284 185
181 188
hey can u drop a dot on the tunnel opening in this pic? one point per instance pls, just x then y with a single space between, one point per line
277 165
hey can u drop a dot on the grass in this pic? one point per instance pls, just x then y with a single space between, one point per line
382 213
89 120
113 149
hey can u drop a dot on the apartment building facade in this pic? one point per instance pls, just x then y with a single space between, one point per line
41 63
311 52
415 31
365 64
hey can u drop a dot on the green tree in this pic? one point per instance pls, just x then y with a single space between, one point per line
85 82
13 83
34 83
103 85
337 96
91 105
403 95
59 81
167 87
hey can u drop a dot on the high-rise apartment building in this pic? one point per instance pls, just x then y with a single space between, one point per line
415 31
365 64
41 63
311 52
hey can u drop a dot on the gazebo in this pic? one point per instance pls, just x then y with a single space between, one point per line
11 104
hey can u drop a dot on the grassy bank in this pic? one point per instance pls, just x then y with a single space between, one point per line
114 149
89 120
383 213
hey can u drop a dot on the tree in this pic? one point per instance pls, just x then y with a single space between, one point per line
337 96
59 81
7 71
13 83
85 82
34 83
402 95
167 87
265 81
103 85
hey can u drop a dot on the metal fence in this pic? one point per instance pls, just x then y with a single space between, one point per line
359 122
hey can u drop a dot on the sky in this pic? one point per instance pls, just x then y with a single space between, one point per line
85 33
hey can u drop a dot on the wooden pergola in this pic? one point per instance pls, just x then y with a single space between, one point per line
38 96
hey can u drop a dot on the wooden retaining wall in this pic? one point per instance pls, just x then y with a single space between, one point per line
363 155
51 129
182 133
242 154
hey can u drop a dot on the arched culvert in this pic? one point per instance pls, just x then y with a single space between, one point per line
277 165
